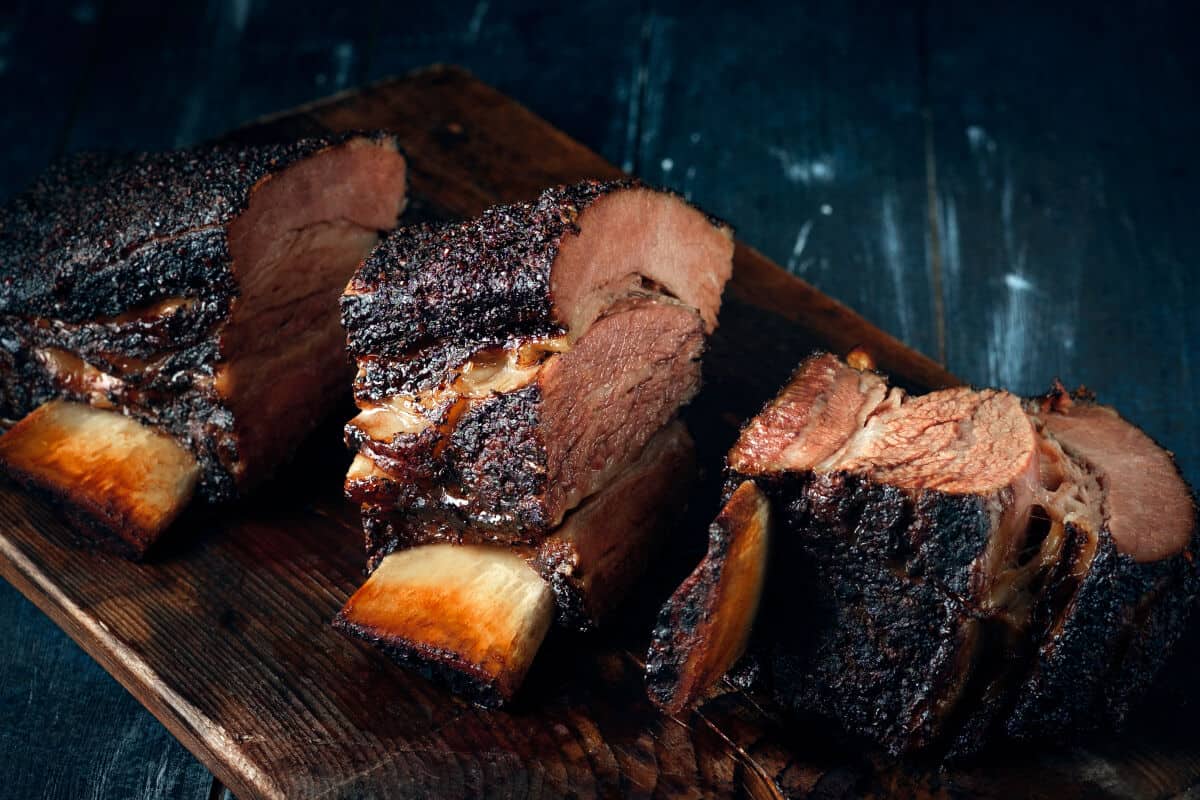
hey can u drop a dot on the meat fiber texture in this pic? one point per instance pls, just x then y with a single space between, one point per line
194 291
971 564
509 367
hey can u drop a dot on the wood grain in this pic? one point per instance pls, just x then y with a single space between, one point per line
224 635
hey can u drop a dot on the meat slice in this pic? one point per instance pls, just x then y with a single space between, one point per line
603 548
511 365
194 291
127 480
706 624
474 615
967 561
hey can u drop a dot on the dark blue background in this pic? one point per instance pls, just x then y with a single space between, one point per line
1008 188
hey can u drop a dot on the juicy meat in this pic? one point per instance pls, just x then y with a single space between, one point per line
705 626
810 420
474 615
195 291
604 547
124 480
973 564
522 273
1146 509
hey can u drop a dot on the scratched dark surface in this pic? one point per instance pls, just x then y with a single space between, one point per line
1006 187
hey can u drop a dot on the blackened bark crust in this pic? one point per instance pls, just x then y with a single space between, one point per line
454 289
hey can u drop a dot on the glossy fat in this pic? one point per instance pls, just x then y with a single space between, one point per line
111 472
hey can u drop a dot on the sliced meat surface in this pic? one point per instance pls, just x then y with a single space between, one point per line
1147 507
811 419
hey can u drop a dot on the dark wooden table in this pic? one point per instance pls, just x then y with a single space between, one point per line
1010 189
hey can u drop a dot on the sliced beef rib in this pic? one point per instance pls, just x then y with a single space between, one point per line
511 365
518 375
194 291
970 564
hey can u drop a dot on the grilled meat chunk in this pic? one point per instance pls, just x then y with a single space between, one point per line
968 565
194 291
510 366
518 375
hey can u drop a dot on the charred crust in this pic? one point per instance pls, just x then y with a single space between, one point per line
556 565
875 652
885 623
1120 621
497 460
100 233
926 534
457 288
679 619
678 640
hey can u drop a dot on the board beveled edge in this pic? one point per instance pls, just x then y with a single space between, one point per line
202 736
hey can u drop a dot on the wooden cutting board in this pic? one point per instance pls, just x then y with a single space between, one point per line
224 633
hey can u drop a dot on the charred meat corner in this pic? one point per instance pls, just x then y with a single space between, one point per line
194 293
706 624
971 565
518 378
